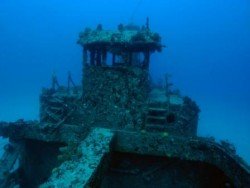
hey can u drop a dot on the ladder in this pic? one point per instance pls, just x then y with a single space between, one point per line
156 116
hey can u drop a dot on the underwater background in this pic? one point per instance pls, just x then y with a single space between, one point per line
207 54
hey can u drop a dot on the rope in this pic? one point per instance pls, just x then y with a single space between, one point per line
135 10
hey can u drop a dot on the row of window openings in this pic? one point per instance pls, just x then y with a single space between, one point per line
135 59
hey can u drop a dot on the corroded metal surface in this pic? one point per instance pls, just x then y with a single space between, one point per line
186 148
42 132
170 146
81 172
125 37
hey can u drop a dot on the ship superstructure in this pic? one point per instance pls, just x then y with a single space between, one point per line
117 129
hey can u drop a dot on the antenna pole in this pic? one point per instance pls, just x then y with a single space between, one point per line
147 24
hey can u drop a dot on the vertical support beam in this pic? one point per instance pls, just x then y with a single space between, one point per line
85 56
98 58
147 59
92 57
54 82
104 57
71 82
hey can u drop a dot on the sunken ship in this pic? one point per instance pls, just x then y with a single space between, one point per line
118 129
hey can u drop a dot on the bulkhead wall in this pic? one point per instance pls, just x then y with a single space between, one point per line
130 170
37 161
115 96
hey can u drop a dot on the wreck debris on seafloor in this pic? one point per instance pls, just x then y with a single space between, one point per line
117 128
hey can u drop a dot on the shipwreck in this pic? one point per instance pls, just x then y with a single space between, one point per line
118 128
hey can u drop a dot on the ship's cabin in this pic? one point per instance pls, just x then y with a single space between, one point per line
128 46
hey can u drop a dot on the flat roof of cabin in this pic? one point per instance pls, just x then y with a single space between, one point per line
142 39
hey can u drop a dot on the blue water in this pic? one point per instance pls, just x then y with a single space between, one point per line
208 54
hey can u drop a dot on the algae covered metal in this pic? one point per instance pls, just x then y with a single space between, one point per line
118 128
